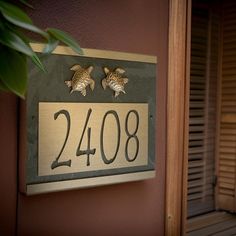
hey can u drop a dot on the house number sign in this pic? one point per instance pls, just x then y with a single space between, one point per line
89 121
83 137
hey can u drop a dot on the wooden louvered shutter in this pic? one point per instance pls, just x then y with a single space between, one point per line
202 123
226 187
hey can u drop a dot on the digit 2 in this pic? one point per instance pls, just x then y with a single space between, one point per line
56 162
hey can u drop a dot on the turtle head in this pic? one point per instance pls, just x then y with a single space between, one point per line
120 70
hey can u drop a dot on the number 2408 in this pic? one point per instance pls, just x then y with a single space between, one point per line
91 151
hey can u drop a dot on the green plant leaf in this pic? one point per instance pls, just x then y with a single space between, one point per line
26 3
51 45
13 71
17 17
13 41
3 87
33 55
14 12
38 62
65 38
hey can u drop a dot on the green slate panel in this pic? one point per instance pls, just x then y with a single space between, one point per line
50 87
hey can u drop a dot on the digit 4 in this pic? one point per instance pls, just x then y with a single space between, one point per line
88 151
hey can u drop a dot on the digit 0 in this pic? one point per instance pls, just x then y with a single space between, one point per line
131 135
104 158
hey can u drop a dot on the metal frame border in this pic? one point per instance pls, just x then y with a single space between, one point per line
105 54
88 182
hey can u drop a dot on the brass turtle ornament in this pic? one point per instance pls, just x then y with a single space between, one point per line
81 79
115 80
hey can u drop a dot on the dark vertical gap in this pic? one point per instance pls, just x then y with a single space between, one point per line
205 26
197 112
17 163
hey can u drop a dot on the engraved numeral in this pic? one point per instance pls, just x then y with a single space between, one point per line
131 135
56 162
88 151
104 158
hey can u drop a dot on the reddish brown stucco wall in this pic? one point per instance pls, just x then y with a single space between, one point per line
125 209
8 166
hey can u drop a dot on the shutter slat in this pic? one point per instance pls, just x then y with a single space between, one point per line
202 110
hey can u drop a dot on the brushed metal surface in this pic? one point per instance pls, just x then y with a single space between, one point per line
64 50
52 133
89 182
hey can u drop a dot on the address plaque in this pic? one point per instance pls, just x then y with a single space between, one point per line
89 121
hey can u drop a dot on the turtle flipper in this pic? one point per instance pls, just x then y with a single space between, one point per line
116 93
125 80
104 84
75 67
89 69
68 83
106 70
83 92
92 84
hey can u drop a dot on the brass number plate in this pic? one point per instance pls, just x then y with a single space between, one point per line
89 121
80 137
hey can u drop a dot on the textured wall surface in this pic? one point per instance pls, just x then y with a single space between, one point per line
126 209
8 166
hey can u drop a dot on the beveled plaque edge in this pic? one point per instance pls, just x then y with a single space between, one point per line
33 189
105 54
